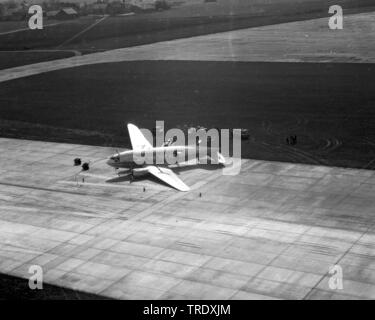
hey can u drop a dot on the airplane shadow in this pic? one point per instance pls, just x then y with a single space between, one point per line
125 176
208 167
120 177
128 178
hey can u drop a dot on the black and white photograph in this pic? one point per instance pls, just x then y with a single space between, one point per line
190 150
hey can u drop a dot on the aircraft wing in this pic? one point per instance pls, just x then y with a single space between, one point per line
138 140
169 177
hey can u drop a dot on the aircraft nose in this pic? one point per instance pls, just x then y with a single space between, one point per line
109 162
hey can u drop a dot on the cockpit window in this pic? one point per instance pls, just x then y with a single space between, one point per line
115 158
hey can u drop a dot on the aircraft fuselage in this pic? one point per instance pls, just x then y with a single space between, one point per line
155 156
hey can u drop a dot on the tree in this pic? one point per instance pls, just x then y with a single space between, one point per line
11 4
2 10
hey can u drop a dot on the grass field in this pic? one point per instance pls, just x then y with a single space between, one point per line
92 33
11 26
179 22
47 38
13 58
7 26
328 106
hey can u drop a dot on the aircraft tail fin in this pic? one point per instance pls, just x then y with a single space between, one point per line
138 140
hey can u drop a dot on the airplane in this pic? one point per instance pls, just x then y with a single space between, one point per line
140 145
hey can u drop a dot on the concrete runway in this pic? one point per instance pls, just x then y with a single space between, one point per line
271 232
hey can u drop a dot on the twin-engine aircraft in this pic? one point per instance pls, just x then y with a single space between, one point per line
142 148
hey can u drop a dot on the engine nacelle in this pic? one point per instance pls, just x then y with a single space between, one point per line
138 172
